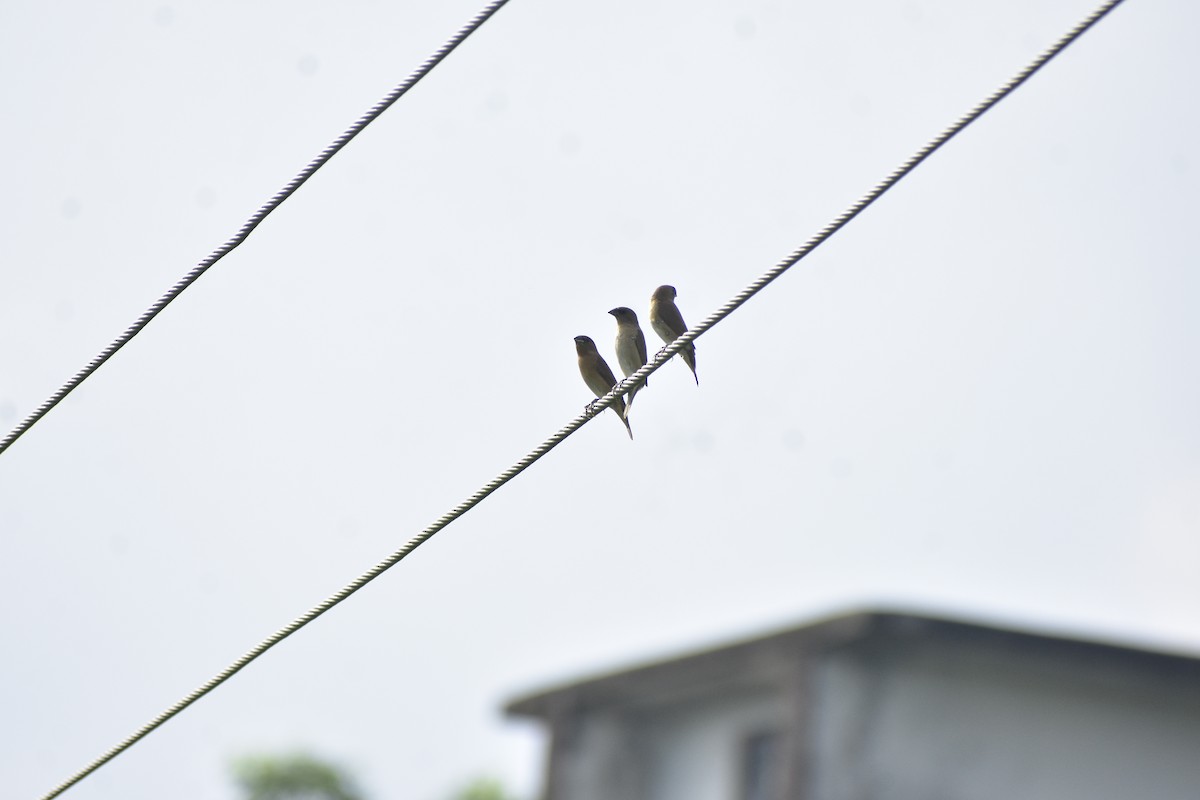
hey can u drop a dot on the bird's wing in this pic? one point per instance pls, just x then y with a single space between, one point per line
669 314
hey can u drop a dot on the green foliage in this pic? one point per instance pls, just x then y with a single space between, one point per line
293 777
483 789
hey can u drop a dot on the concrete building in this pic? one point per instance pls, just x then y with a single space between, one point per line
881 706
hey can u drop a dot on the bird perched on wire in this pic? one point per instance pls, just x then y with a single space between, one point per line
669 325
631 349
598 377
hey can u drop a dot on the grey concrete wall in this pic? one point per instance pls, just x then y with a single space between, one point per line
686 751
934 722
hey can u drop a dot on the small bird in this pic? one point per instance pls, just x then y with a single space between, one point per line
669 325
598 377
631 349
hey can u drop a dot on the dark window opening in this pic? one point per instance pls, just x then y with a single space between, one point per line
761 766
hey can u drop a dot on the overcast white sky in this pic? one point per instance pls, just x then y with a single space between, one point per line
980 398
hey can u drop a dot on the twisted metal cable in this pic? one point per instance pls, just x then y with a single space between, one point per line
599 404
245 231
869 198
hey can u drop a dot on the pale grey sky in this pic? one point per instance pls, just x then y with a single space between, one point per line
980 398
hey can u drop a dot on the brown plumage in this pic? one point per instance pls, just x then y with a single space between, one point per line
598 377
669 325
631 349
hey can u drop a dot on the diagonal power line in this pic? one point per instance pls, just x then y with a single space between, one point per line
283 194
876 192
549 444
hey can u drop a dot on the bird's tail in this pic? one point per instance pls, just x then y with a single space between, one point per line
689 358
629 401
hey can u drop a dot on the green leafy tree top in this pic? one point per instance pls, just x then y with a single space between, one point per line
294 777
483 789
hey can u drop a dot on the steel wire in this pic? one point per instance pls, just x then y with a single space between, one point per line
234 241
604 402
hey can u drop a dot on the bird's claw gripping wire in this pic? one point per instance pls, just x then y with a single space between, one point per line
591 410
